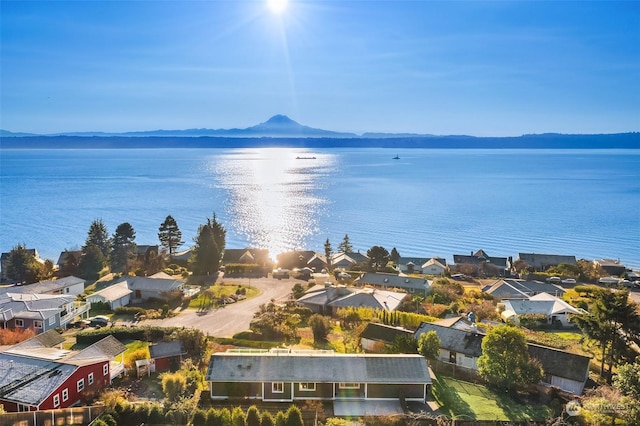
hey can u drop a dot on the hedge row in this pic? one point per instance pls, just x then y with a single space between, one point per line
148 334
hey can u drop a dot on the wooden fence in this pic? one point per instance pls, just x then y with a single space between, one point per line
67 416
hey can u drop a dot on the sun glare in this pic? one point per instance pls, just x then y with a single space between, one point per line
277 6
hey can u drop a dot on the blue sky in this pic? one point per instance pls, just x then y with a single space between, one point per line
439 67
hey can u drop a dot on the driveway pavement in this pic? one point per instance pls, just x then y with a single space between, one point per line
233 318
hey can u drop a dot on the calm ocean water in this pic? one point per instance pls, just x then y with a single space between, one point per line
427 203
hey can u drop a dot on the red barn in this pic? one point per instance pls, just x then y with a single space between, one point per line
167 355
38 374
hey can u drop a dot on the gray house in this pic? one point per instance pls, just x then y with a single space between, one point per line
287 376
115 295
39 312
389 281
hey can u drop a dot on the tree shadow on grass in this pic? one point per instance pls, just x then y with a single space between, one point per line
449 401
520 411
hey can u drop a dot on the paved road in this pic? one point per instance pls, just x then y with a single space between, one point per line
234 318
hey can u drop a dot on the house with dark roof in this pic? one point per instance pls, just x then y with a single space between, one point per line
542 262
521 289
462 347
392 281
247 255
376 336
610 266
167 356
329 298
38 374
481 259
349 261
69 258
286 376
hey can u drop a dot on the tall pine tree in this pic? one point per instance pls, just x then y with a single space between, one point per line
209 247
123 248
170 235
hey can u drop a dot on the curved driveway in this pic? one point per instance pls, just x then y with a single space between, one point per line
233 318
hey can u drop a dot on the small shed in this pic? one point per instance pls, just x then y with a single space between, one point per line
167 355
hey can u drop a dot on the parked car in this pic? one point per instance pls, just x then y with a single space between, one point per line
99 321
554 280
568 281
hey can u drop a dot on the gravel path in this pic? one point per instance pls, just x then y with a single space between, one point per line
233 318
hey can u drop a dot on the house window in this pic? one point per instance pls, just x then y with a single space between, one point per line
349 385
105 369
277 387
307 387
37 324
56 400
80 385
452 357
19 323
65 394
90 379
52 320
23 407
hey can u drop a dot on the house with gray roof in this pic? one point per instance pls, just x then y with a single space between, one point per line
542 262
349 261
286 376
246 255
411 285
611 266
328 299
115 295
463 347
482 259
521 289
556 310
167 355
158 286
38 374
40 312
68 286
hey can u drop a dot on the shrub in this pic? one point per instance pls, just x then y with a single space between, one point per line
128 310
173 385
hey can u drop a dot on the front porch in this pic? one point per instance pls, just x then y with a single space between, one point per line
80 309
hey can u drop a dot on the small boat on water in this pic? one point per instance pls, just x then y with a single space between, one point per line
305 158
397 157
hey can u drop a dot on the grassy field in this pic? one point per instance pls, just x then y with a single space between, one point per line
465 400
222 290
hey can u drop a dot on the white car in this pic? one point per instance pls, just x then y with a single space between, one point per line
554 280
568 281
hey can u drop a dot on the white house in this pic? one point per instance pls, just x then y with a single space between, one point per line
434 266
556 310
115 295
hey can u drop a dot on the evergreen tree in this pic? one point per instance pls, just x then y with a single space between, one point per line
21 265
170 235
328 252
91 263
345 246
429 344
208 248
123 248
253 416
394 256
69 265
267 419
293 416
378 257
99 237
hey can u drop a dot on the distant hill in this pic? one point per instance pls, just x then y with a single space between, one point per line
282 131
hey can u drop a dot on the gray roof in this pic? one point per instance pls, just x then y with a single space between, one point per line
30 381
521 289
561 363
318 367
383 332
152 284
341 296
393 280
33 306
113 292
543 261
107 348
45 287
166 349
47 339
453 339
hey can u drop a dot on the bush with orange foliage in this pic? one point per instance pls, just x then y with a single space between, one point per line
11 336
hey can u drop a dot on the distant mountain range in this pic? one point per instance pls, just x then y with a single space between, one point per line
280 130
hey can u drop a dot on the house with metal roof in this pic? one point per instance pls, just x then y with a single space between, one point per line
390 281
115 295
328 299
40 312
376 336
159 286
556 310
286 376
521 289
38 374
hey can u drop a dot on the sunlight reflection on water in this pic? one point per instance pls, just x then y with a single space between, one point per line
274 198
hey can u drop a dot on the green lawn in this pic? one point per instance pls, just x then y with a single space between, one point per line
465 400
222 290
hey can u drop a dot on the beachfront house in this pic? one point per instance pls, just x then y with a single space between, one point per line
350 381
542 262
481 262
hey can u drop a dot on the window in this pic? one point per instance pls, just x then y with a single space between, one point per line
56 400
349 385
65 394
52 320
37 324
105 369
19 323
277 387
22 407
90 379
307 387
80 385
